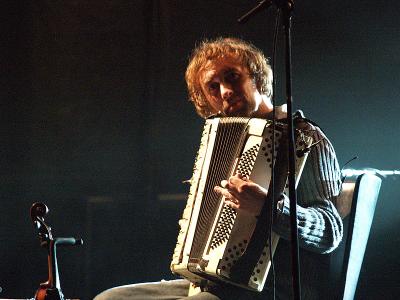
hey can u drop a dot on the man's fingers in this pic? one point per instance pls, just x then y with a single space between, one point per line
223 192
231 204
238 180
228 197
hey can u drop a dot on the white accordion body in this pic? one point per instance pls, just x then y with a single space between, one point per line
216 242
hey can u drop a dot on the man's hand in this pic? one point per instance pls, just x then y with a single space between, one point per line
242 194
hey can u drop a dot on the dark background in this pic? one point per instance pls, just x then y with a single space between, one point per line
95 123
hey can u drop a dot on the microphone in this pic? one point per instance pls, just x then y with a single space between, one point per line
263 4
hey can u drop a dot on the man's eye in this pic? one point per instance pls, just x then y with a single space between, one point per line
232 76
213 86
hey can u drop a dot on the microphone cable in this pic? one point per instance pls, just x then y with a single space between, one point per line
273 206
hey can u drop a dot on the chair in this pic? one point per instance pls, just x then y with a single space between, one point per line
356 205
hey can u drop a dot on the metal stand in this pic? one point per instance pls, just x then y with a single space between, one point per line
287 8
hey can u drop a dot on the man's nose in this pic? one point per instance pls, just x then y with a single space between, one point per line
226 91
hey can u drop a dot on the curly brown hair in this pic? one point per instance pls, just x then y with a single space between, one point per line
212 50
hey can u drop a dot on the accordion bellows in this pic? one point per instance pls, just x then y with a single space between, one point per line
216 242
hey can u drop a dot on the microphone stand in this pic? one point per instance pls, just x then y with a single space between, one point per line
287 8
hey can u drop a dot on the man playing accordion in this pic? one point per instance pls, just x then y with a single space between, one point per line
230 77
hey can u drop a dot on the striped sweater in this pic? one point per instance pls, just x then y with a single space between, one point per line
320 226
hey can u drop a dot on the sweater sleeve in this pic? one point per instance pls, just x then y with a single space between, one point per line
319 224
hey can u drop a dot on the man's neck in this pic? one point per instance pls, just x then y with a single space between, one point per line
280 112
265 109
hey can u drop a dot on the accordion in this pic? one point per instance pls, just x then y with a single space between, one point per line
216 242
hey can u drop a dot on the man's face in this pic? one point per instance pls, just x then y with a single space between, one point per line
229 88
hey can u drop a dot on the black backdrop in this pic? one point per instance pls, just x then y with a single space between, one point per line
95 123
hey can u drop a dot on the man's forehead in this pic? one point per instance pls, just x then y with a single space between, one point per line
214 66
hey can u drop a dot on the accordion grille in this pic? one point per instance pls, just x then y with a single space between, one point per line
229 139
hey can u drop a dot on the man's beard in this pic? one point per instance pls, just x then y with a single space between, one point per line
240 108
